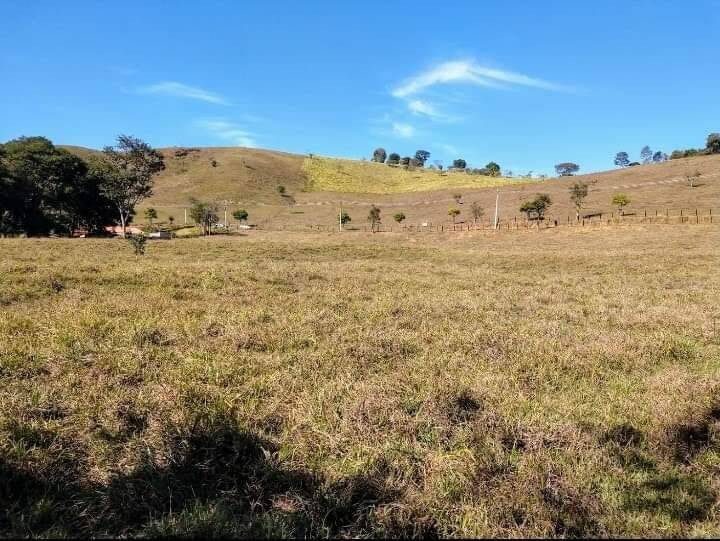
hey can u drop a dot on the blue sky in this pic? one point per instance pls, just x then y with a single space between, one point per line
527 84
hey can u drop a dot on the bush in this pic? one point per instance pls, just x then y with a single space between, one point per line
138 243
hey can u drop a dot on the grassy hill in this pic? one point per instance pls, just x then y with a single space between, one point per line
315 187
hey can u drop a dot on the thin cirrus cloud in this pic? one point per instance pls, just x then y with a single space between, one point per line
229 132
403 130
469 72
181 90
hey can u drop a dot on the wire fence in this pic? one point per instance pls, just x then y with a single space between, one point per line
644 216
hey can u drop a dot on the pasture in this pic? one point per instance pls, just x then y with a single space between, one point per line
554 383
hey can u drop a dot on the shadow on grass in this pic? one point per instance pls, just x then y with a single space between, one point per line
222 483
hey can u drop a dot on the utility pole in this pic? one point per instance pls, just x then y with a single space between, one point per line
185 211
497 204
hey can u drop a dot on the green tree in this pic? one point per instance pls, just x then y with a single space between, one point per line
493 168
422 156
150 215
620 200
713 143
393 159
241 215
379 155
459 164
453 212
567 169
134 163
344 218
659 156
138 243
622 159
535 209
47 189
578 193
374 218
405 161
205 215
399 217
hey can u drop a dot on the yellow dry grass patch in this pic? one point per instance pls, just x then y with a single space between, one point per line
336 175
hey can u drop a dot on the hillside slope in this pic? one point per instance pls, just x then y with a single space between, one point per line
315 187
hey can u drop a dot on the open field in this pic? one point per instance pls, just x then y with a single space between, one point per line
561 383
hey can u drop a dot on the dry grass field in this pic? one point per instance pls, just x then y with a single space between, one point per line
556 383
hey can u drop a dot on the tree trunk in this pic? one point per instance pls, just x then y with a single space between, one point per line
122 224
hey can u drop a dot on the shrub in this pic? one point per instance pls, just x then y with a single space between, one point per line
399 217
138 243
620 200
453 212
536 208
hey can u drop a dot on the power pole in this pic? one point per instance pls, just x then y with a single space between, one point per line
185 211
497 204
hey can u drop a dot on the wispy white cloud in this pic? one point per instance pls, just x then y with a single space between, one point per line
180 90
420 107
403 130
228 131
469 72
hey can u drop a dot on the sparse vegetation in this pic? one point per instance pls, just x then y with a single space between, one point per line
477 211
150 215
692 178
399 217
535 209
578 193
205 215
620 200
138 243
241 215
453 212
374 218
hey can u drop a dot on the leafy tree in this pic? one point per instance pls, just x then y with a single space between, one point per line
399 217
477 211
150 215
241 215
493 169
405 161
453 212
620 200
578 193
379 155
567 169
393 159
130 180
646 154
659 156
344 218
374 218
281 189
205 215
713 143
47 189
622 159
677 154
171 219
536 208
459 164
138 243
422 156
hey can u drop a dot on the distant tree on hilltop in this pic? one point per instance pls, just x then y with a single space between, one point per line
379 155
646 154
422 156
393 159
713 143
567 169
622 159
459 164
493 168
659 156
